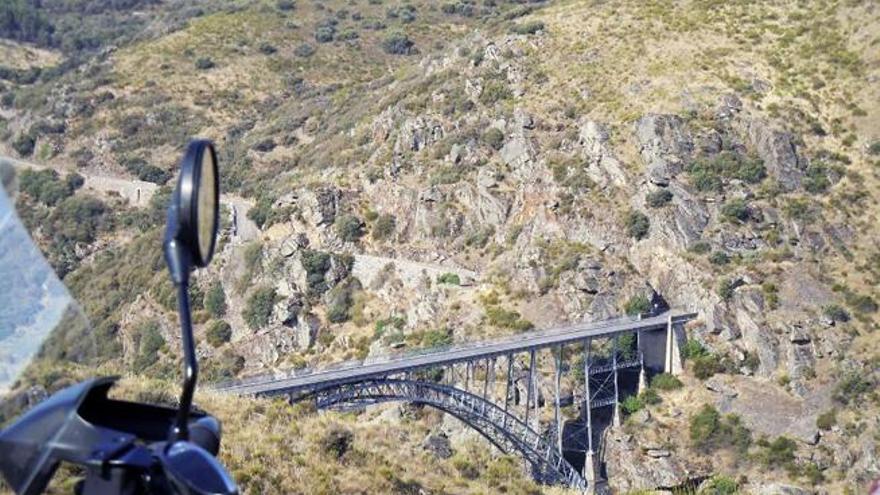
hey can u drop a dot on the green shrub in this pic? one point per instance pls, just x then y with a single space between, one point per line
827 420
709 431
721 485
316 264
258 308
398 43
531 27
778 453
431 339
494 138
701 247
851 388
24 144
816 179
218 333
726 287
704 367
449 278
384 226
693 349
267 48
649 396
395 322
719 258
666 381
204 63
46 187
637 305
874 149
340 300
495 91
150 341
658 198
836 313
510 320
337 441
708 174
304 50
349 228
861 303
632 404
637 225
736 210
215 301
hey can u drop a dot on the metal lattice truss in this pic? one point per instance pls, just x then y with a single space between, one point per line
503 429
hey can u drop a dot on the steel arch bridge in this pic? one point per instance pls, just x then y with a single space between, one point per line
598 356
500 427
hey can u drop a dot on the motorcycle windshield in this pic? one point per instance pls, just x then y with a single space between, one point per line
43 331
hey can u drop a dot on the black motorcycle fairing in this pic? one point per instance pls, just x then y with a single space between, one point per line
80 425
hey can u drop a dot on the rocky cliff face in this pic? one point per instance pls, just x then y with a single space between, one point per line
567 166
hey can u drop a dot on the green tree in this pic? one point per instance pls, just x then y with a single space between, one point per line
259 306
384 226
398 43
218 333
637 305
215 300
637 224
658 198
494 138
150 341
349 227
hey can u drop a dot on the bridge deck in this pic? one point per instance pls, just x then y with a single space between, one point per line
305 380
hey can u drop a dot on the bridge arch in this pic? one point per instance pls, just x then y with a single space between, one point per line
502 429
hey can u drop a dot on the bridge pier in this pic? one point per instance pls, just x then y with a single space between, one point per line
589 465
558 371
643 377
674 336
615 418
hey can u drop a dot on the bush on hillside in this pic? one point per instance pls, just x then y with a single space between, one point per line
398 43
215 300
710 431
218 333
494 138
658 198
258 308
384 227
637 225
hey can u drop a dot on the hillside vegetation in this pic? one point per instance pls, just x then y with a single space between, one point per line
426 173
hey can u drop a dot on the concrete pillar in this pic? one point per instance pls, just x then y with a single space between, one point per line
556 400
590 472
589 465
674 334
615 419
643 378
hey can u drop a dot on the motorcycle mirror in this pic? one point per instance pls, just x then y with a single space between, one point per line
190 237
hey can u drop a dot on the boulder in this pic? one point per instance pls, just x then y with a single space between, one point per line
438 445
779 152
665 145
633 469
602 166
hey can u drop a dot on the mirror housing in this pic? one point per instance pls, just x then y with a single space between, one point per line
190 238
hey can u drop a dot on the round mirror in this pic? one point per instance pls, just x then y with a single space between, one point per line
206 206
199 191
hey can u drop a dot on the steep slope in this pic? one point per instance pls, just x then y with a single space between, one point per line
425 174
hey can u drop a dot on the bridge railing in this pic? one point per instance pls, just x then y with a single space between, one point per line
394 356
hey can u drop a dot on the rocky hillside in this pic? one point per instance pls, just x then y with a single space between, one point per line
425 173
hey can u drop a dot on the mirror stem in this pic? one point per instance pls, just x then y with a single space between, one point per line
190 365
